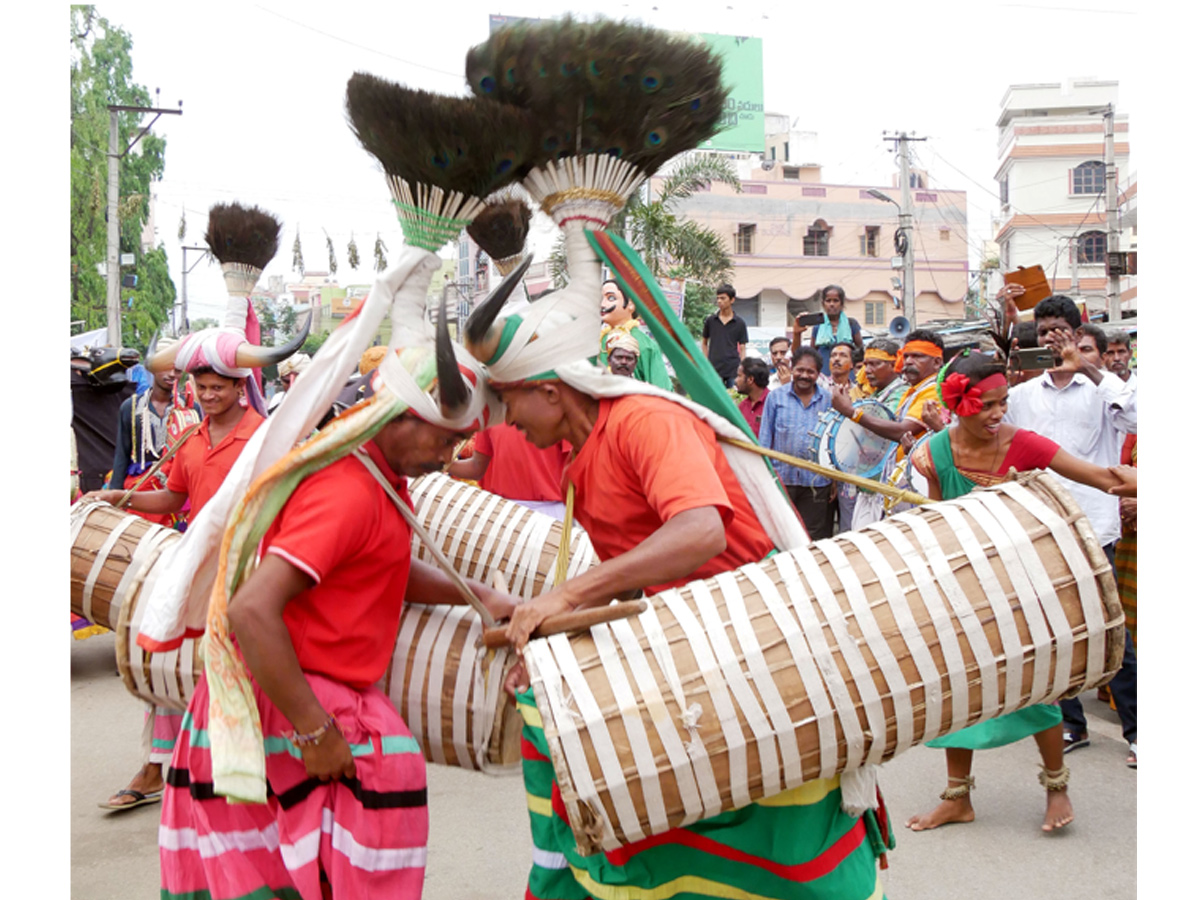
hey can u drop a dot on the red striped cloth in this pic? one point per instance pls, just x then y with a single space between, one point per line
366 836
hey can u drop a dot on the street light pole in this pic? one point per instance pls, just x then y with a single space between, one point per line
113 268
910 299
185 275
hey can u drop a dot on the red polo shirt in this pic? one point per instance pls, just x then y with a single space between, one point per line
647 460
752 411
199 468
517 469
342 529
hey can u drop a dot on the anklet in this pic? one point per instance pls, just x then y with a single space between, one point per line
1054 781
959 788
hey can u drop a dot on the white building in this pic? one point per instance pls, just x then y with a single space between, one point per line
1051 178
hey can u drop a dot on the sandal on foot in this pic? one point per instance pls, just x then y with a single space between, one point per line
139 799
1131 759
1073 740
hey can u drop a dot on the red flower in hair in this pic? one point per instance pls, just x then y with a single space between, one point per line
960 397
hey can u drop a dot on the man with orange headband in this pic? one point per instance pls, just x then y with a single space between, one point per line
919 362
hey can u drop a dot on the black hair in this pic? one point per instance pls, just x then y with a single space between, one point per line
757 371
976 366
841 293
1058 306
625 301
209 370
924 334
727 289
1026 335
810 352
775 341
1096 332
845 344
856 355
1118 336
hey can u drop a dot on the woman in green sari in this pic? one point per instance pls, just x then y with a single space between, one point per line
980 450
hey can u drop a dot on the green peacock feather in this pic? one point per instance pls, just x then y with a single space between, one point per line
630 91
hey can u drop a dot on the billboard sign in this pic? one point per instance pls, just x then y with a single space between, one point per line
744 125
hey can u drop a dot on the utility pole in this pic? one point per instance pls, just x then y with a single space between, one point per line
113 273
1073 250
905 244
184 315
1112 244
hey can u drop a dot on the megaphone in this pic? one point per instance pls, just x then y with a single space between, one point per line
899 328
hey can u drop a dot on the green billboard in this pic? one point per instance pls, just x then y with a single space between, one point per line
744 128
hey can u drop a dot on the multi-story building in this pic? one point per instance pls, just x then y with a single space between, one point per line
1051 179
791 234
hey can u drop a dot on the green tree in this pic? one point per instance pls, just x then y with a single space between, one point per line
102 74
699 302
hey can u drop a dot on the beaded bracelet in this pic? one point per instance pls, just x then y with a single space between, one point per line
313 737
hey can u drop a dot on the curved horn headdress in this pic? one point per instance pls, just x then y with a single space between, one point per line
243 240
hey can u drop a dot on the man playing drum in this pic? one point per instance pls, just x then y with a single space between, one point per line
343 809
198 468
659 499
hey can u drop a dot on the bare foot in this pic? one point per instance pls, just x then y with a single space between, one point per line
945 813
148 780
1059 811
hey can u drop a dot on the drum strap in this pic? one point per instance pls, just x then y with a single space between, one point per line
411 518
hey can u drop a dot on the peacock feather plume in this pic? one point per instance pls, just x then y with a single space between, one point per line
440 154
627 91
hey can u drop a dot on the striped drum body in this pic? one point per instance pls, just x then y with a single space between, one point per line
819 660
446 688
110 551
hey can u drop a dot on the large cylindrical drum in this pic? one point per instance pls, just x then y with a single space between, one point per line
447 689
818 660
108 549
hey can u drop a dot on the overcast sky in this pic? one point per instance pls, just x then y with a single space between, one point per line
263 119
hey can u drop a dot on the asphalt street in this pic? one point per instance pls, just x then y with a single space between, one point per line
479 843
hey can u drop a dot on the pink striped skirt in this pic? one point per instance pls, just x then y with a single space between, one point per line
360 837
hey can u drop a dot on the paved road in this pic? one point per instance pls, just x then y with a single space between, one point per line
479 836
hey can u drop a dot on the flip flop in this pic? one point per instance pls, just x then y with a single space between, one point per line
1131 759
139 799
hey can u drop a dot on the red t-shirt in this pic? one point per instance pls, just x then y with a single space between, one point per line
518 470
647 460
198 468
341 528
752 412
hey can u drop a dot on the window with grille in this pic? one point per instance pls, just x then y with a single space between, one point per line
868 241
1090 247
874 313
744 242
1004 190
1088 177
816 241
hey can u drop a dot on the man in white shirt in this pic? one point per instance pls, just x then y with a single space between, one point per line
1086 411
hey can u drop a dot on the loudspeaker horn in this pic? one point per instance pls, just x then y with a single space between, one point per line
899 328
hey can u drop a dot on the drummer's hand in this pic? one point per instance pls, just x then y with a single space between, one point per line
110 497
528 616
931 415
840 400
516 680
907 441
1129 513
498 603
329 758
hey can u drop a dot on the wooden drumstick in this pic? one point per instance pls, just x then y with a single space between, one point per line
563 623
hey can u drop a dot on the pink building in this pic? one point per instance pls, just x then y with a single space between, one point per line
791 235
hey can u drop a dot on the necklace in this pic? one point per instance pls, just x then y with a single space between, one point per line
991 467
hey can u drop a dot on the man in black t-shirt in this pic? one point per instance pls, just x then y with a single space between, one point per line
725 336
